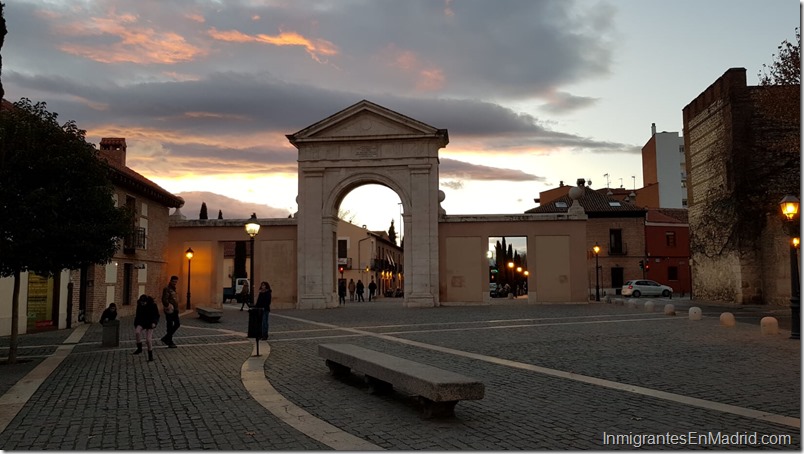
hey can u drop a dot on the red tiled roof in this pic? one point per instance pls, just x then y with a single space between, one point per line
679 214
594 204
126 177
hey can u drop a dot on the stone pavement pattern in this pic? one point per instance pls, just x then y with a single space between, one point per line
192 397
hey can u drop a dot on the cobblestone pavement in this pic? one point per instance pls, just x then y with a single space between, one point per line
556 376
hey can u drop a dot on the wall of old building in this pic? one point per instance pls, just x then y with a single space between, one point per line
730 131
556 256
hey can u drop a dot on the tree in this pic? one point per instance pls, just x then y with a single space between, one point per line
220 214
786 66
56 198
346 215
392 232
3 32
203 213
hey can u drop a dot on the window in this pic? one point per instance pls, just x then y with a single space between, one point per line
670 238
615 204
343 247
672 273
616 245
561 204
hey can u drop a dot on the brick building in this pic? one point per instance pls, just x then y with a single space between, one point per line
667 248
742 148
618 227
139 265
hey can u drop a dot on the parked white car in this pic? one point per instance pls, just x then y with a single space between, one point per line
644 287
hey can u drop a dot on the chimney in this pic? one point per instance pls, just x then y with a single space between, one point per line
561 183
114 149
653 129
581 182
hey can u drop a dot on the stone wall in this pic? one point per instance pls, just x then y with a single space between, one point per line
733 134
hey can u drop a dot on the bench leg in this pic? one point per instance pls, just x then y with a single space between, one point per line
433 409
337 370
377 386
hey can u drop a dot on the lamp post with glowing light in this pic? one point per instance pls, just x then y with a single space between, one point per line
789 206
189 254
511 277
596 250
252 228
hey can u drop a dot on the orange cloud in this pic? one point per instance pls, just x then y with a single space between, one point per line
430 80
448 11
195 17
234 140
135 44
427 79
314 47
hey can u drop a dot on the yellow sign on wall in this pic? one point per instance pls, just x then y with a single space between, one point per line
40 301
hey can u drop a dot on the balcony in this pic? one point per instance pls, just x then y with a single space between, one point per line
134 241
618 249
345 262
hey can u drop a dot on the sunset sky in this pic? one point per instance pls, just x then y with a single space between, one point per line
532 92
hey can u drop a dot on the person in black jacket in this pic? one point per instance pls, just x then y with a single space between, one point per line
146 318
109 314
264 302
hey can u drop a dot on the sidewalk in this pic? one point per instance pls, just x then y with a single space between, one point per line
557 377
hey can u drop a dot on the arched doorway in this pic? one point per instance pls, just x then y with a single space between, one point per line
365 144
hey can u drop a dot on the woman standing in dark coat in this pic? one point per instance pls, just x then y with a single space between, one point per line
264 302
146 318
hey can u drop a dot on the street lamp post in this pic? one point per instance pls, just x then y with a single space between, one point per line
596 249
790 206
252 228
189 254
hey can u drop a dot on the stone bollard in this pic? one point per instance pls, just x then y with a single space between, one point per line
727 319
608 299
769 325
669 309
618 301
695 313
632 303
649 306
111 334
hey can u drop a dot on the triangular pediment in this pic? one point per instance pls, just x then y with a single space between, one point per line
364 119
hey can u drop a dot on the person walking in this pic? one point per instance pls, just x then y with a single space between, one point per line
342 292
243 296
360 288
145 319
170 305
372 289
264 302
352 288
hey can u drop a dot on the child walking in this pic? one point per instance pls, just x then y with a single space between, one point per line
145 319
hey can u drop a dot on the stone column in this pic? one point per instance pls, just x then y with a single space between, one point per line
421 240
310 246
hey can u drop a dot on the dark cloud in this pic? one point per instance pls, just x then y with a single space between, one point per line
227 83
450 168
563 103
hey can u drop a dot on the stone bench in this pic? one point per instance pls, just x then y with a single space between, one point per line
209 314
438 390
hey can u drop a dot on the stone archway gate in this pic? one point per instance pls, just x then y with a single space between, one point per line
367 144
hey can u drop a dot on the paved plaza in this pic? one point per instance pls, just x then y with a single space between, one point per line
588 376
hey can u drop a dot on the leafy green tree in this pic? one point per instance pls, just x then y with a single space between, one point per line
56 200
786 66
203 213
